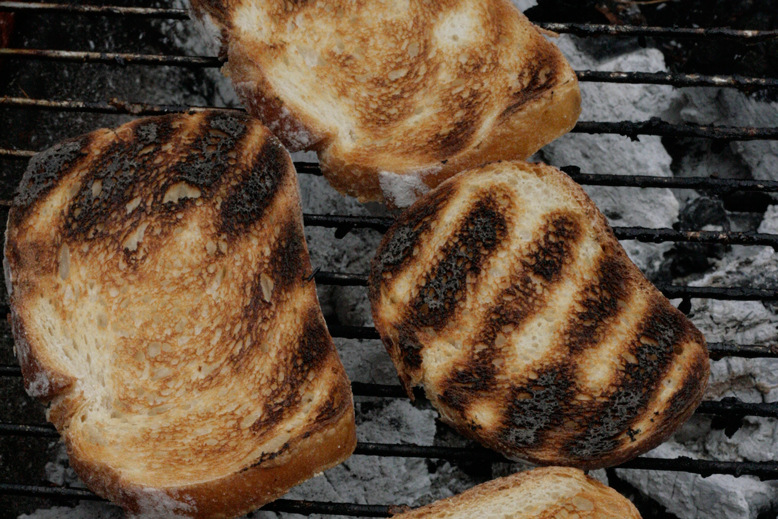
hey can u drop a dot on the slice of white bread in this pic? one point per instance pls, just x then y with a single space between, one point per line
157 276
505 294
544 493
396 95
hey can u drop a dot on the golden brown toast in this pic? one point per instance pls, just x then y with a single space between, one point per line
396 95
505 294
544 493
157 279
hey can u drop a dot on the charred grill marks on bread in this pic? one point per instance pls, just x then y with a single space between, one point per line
157 282
546 342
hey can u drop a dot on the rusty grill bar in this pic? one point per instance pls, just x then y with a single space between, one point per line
577 29
653 78
729 408
632 129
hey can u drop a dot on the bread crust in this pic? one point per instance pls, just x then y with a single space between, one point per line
505 294
418 94
592 500
235 494
159 304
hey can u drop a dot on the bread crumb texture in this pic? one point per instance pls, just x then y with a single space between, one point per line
159 305
504 294
410 87
546 493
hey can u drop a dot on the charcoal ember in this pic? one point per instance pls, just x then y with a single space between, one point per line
701 213
701 56
722 56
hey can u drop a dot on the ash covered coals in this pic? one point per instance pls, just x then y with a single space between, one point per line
694 55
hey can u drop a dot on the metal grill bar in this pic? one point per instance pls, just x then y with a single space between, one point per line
711 33
40 431
717 350
578 29
632 129
103 10
670 291
717 186
766 470
596 76
381 224
114 106
280 505
114 58
656 126
676 79
728 407
17 154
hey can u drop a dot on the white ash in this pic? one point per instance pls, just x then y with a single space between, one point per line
749 380
84 510
401 190
366 361
523 5
743 322
370 480
693 497
58 470
351 254
618 155
728 107
769 223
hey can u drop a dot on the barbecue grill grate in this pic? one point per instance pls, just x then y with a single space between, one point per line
729 409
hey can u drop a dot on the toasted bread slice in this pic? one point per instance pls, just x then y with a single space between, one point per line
396 96
157 278
544 493
505 294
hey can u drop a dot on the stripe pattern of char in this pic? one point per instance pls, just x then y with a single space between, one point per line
509 299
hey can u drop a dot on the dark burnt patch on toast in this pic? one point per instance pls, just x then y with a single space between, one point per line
287 267
44 171
248 200
548 259
452 139
476 377
645 363
540 75
285 270
334 405
534 407
552 253
215 150
468 249
688 397
397 247
142 178
601 301
409 347
306 361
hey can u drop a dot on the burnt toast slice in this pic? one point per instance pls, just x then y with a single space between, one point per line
506 296
543 493
161 305
396 96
